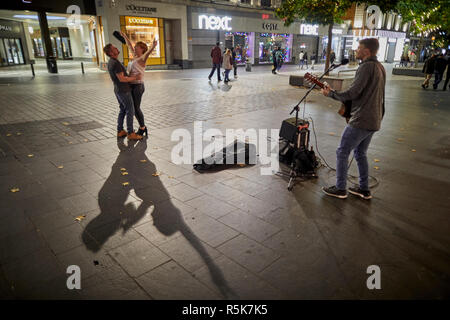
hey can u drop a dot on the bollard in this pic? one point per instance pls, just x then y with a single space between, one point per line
32 69
82 68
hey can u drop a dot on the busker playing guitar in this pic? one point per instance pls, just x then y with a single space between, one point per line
367 96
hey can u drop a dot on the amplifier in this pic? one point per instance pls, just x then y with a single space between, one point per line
289 131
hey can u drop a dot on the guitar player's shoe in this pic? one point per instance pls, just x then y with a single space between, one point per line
335 192
360 193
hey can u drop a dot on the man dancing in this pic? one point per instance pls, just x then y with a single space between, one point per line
122 90
367 96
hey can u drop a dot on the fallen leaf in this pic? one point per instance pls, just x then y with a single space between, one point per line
218 122
79 218
85 140
241 165
70 142
331 133
30 155
400 139
125 184
66 134
9 134
19 133
123 169
155 148
60 167
376 168
143 161
376 160
14 190
435 124
124 173
413 150
65 123
171 177
156 174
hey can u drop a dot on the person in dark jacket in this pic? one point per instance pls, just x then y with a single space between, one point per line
332 56
439 68
216 55
447 78
233 57
274 59
428 69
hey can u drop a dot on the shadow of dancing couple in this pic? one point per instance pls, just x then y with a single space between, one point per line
132 166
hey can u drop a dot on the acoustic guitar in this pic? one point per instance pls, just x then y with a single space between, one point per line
346 106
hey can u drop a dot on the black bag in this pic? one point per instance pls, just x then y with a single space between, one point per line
119 37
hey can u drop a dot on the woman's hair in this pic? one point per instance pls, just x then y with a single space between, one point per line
142 45
228 51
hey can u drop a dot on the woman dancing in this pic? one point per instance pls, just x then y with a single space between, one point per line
140 52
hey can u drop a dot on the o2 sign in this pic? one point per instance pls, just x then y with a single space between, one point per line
373 16
214 22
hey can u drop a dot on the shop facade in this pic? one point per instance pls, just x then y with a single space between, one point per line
145 21
13 49
253 35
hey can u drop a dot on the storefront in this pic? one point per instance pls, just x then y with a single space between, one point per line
339 43
12 39
146 21
253 35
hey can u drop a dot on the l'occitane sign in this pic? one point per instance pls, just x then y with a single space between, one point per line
139 21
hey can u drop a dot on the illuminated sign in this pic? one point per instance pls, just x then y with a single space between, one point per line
270 26
140 9
214 22
130 21
373 16
309 29
265 16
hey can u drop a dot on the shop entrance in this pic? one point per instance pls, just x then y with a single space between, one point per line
242 42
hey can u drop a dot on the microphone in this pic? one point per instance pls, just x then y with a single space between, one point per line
343 63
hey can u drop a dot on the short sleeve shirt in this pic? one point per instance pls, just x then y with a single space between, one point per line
114 67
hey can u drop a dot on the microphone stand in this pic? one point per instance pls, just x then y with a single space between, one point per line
293 173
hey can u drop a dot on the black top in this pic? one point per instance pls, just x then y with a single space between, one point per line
114 67
440 64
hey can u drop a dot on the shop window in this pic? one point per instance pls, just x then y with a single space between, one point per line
243 44
11 51
146 30
268 42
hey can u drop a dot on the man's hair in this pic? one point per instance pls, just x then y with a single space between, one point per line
107 49
142 45
372 44
217 43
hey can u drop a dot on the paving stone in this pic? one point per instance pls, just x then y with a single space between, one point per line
248 253
169 281
66 238
183 192
139 257
189 252
211 206
249 225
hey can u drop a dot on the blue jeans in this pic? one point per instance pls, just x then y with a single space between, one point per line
215 66
358 140
137 90
126 109
227 72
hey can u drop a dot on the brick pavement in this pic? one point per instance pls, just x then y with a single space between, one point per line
219 235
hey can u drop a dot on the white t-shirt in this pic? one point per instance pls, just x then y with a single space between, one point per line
300 56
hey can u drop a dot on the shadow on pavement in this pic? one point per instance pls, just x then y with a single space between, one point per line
116 214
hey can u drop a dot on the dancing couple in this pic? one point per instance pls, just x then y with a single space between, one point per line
129 85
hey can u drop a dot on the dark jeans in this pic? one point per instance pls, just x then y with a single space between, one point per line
227 72
215 66
446 80
437 78
137 90
126 109
235 69
358 140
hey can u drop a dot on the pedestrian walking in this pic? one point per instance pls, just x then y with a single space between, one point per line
140 52
122 90
428 70
233 56
412 58
447 78
216 56
227 64
332 57
313 60
300 59
439 68
280 58
305 59
274 61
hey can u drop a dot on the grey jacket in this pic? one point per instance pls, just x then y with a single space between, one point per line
367 95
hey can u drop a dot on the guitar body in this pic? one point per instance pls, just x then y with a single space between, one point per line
345 110
346 107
